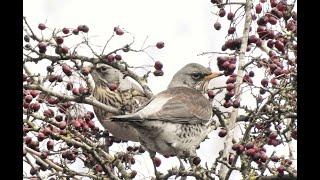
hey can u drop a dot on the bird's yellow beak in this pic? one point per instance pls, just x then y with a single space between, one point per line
212 75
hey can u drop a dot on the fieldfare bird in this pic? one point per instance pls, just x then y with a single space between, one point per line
175 121
114 89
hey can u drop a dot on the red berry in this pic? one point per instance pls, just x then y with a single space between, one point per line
222 132
48 113
273 3
273 135
274 158
42 46
196 161
75 91
118 31
231 80
50 145
259 42
118 57
28 98
66 69
279 45
211 94
274 82
75 31
58 118
62 125
83 28
252 39
249 145
110 58
158 73
235 147
281 169
69 86
222 12
264 82
64 50
59 40
230 87
251 74
230 16
236 103
160 45
158 65
41 136
258 8
231 30
65 31
42 26
35 106
217 25
272 20
156 161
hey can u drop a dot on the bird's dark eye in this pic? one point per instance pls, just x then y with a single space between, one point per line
103 69
197 75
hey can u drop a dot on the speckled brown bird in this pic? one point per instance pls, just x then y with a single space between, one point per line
177 120
114 89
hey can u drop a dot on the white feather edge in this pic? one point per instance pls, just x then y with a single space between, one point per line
153 107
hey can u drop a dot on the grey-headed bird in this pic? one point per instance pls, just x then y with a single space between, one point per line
175 121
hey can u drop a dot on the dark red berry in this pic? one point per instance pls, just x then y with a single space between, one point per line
157 161
75 91
264 82
211 94
35 106
230 87
258 8
273 135
65 31
251 74
118 31
222 12
160 45
64 50
66 69
42 26
236 103
83 28
118 57
158 65
62 125
110 58
222 132
274 158
231 30
158 73
217 25
196 161
75 31
59 40
230 16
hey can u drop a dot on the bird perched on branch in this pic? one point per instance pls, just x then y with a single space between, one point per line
177 120
114 89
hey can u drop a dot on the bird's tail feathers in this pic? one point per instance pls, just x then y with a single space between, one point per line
126 118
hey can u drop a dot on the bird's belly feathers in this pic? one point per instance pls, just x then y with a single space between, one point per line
169 138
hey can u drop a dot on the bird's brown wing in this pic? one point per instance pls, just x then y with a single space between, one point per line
177 105
186 106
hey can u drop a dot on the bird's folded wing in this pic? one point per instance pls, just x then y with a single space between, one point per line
179 105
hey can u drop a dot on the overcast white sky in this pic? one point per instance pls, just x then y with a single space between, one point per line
186 27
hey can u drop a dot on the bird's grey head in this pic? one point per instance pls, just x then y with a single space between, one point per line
193 75
103 74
